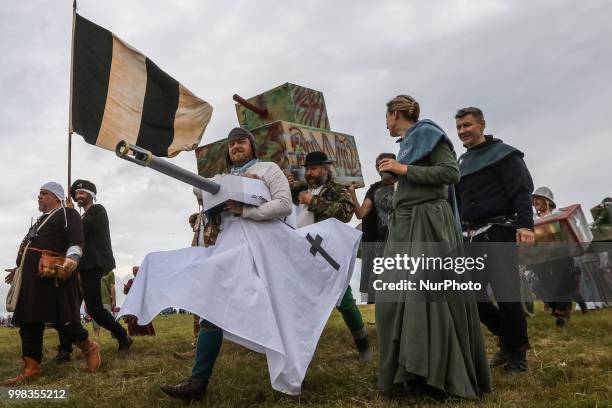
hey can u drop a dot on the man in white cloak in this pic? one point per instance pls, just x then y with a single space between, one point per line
260 283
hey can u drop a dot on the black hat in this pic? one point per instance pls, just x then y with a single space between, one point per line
82 185
314 158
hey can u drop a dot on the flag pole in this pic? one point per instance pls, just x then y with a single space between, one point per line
74 8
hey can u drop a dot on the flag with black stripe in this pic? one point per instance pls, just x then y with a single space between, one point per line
120 94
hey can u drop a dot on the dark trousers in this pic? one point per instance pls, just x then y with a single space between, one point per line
506 319
559 279
32 337
350 312
90 287
208 346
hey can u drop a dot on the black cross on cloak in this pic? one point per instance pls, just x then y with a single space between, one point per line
316 247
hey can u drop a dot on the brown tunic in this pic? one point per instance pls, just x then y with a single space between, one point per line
47 300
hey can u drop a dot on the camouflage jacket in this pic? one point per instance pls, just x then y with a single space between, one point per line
334 201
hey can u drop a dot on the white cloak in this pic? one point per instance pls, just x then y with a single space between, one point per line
260 283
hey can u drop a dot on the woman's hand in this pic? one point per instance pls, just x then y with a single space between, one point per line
11 275
393 166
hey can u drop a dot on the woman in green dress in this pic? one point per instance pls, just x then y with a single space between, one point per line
437 343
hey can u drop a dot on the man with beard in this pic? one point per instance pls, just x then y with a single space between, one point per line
323 198
97 261
47 288
494 197
243 161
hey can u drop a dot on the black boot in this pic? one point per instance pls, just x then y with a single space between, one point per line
560 321
517 363
62 356
501 357
190 389
125 343
361 341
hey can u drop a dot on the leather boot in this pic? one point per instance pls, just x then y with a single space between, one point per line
189 390
62 357
562 317
91 351
31 369
361 341
501 357
517 363
125 344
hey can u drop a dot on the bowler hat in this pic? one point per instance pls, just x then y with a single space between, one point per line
314 158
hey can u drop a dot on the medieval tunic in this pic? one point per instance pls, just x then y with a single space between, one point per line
50 300
375 227
496 186
438 342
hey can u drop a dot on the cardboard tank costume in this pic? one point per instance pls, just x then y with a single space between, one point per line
288 122
559 235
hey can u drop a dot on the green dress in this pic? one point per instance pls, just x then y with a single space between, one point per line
439 342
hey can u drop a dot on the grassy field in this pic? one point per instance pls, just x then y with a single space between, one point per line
571 367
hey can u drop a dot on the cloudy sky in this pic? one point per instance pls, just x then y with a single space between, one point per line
539 70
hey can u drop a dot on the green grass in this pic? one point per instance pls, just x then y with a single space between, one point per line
571 367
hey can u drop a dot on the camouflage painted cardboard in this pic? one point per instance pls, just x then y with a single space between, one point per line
287 144
602 223
288 102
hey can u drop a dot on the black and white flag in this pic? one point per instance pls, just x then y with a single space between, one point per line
120 94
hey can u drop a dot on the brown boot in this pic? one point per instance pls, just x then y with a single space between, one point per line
31 369
91 351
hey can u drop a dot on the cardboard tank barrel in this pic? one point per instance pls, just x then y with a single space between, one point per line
282 121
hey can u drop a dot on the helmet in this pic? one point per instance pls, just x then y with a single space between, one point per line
546 193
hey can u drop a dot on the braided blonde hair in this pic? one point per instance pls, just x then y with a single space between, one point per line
406 105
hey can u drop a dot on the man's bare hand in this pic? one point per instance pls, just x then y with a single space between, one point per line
64 271
305 197
234 207
524 236
69 202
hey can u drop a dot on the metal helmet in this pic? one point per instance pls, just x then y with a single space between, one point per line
546 193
